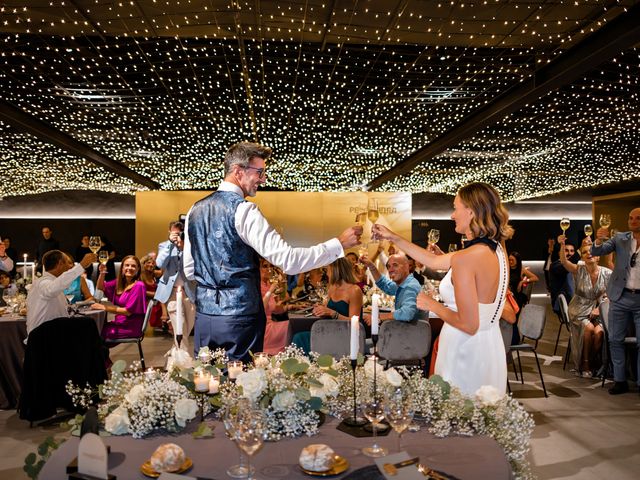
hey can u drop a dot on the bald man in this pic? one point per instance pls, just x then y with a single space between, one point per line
623 291
399 283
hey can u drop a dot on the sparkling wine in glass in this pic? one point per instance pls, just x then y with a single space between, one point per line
433 236
95 243
564 224
374 412
453 247
103 257
605 220
372 210
588 230
361 218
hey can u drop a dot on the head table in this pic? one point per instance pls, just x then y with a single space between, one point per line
462 457
13 331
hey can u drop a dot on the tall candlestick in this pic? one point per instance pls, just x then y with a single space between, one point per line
33 271
24 275
355 338
179 312
375 313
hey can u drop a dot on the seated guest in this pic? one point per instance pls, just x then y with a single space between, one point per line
400 284
6 264
591 282
129 298
344 299
148 277
519 277
273 297
11 252
79 289
5 281
412 270
82 250
310 282
560 280
359 272
46 300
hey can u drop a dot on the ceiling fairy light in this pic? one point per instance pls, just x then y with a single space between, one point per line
341 96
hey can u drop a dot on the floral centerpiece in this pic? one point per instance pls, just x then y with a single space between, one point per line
138 403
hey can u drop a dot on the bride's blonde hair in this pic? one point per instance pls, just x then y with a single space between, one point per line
490 218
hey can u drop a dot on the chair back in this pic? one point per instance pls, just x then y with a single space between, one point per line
532 320
604 313
404 341
147 315
564 310
528 290
333 337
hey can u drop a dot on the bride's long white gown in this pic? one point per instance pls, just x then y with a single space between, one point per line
471 361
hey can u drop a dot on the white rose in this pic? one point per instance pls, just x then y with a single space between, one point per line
185 410
488 395
284 400
393 377
330 387
134 394
253 383
117 422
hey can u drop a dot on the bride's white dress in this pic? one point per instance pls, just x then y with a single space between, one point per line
471 361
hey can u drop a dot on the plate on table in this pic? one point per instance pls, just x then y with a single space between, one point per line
340 464
148 470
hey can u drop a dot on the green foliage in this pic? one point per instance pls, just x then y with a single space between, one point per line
302 393
33 463
444 386
314 383
315 403
292 366
204 430
74 425
118 366
325 361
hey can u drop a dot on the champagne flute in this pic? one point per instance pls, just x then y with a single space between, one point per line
433 236
250 435
588 230
103 257
372 210
374 412
95 244
605 220
361 218
564 224
453 247
398 412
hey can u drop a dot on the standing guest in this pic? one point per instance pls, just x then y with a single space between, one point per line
471 351
171 260
82 250
586 326
401 284
46 244
225 236
128 297
46 300
623 291
6 264
273 297
11 252
149 279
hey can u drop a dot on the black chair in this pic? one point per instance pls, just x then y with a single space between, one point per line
137 339
57 351
563 316
531 324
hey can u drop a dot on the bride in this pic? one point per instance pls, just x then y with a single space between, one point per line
471 351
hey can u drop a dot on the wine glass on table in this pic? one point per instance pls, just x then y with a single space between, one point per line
231 419
374 411
398 411
95 244
250 434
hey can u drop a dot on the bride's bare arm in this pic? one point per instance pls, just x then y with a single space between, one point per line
431 260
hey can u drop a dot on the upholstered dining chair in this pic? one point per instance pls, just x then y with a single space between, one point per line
531 324
332 337
402 343
137 339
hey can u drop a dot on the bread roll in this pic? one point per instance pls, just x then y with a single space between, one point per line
317 457
168 457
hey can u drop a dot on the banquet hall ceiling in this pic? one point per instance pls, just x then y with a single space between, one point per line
342 90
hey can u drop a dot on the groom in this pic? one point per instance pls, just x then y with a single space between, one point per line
224 237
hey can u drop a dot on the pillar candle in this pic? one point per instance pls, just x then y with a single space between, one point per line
375 313
214 385
201 381
179 312
234 369
355 338
24 275
261 360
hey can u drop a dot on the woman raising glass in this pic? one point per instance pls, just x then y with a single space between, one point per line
471 351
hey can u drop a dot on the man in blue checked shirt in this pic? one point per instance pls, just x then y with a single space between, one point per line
399 283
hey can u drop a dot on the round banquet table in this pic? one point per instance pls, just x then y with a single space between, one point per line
462 457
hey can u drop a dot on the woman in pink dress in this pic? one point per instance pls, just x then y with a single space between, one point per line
128 296
275 335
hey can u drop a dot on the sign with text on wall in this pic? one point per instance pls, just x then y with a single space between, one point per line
303 218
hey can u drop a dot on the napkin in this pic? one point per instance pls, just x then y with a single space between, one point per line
409 472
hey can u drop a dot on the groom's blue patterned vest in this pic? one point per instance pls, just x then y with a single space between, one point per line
226 269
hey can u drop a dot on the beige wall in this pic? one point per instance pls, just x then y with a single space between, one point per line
618 206
304 218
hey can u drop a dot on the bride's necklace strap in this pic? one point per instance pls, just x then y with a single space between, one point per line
487 241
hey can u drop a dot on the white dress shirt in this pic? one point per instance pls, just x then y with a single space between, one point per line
46 299
6 264
255 231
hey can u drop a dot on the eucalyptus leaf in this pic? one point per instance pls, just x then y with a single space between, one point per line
30 459
302 393
118 366
203 431
314 383
332 372
325 361
315 403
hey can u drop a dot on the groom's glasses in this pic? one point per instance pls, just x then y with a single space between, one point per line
262 173
634 257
